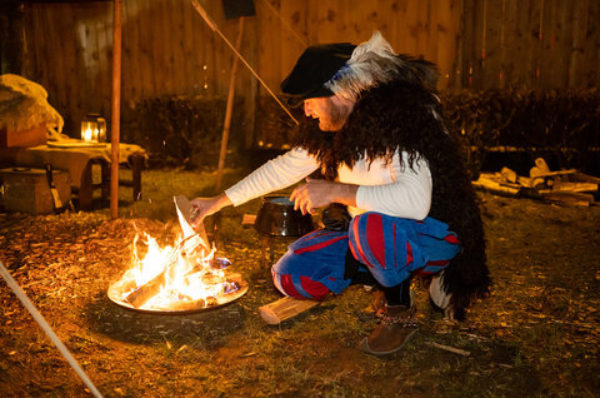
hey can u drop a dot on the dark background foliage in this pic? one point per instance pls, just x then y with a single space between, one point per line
499 127
182 130
561 125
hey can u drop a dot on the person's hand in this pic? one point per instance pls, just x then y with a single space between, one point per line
319 193
206 206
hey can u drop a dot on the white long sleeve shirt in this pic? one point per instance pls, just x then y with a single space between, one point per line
385 188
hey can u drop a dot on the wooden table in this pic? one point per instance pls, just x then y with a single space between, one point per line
79 163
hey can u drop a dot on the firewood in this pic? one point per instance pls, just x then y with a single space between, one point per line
579 176
142 294
509 175
284 309
557 173
569 198
524 181
489 183
248 219
575 187
542 165
535 181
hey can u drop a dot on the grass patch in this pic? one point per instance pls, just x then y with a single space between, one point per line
536 335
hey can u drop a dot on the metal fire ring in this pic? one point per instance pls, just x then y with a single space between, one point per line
197 306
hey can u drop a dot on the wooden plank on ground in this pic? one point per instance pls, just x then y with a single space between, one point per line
284 309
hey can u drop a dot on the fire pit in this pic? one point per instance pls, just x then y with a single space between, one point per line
185 277
115 294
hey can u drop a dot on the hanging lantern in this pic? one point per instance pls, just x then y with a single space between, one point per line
93 128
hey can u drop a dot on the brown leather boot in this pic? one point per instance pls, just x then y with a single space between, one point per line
396 326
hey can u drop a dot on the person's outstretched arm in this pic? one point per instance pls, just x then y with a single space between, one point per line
207 206
278 173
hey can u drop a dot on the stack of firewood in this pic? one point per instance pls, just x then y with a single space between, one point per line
568 187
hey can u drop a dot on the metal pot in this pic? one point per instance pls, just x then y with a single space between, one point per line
277 217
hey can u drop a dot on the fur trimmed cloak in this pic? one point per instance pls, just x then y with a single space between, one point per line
400 115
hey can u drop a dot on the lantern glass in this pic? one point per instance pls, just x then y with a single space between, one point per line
93 128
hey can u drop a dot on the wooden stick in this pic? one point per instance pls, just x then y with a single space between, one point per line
284 309
229 109
116 115
449 348
213 26
39 318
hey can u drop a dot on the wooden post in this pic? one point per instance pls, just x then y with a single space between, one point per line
116 116
229 109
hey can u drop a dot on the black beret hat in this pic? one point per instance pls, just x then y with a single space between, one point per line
316 65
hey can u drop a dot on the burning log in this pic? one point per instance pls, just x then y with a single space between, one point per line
183 278
142 294
194 305
145 292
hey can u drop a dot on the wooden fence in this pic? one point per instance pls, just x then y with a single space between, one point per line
169 50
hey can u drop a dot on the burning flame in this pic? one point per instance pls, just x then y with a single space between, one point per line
182 275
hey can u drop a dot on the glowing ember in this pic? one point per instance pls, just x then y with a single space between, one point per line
183 277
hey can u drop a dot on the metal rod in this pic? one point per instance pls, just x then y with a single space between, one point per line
116 112
213 26
47 329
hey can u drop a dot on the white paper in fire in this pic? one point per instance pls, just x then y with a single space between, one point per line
180 278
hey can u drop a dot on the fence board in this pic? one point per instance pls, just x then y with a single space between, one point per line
590 73
492 53
579 29
169 50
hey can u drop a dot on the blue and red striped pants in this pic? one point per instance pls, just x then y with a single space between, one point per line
390 248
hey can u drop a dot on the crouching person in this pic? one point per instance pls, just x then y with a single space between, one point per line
377 249
375 131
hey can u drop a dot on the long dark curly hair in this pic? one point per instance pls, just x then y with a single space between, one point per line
408 117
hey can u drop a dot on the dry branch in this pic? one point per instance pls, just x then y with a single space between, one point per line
449 349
